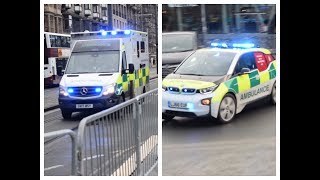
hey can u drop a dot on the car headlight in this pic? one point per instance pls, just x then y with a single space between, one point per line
62 91
109 90
208 90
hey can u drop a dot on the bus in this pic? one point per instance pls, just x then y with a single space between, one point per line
56 54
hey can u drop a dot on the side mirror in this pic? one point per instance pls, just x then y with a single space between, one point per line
125 71
131 68
244 71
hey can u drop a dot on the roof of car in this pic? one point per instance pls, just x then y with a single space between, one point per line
266 51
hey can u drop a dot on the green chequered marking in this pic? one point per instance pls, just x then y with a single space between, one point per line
272 72
136 75
147 79
253 80
140 82
143 72
232 85
124 78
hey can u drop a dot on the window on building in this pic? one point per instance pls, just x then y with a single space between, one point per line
95 8
46 23
51 23
114 9
87 7
125 12
104 12
142 47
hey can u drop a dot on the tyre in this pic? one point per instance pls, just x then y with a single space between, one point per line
167 117
66 114
121 99
227 109
273 95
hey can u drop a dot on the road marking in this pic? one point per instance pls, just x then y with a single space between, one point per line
146 148
95 156
52 167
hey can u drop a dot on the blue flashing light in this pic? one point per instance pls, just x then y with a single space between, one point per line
70 90
215 44
98 90
113 32
103 33
245 45
127 32
219 45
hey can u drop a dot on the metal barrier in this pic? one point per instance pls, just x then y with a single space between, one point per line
122 140
73 138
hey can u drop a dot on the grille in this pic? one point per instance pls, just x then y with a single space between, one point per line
91 91
180 113
188 91
173 89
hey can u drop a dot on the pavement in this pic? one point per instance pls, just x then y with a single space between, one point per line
51 94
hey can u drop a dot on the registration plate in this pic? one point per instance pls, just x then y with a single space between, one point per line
177 105
84 106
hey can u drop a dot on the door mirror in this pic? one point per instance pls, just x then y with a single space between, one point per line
244 71
131 68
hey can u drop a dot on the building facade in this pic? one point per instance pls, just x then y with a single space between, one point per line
66 18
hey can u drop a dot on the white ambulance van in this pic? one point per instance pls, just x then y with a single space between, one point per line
104 69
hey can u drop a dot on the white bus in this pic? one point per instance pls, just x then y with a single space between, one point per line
56 54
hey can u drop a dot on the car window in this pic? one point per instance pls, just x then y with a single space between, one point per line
245 61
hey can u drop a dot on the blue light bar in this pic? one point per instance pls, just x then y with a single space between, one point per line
224 45
98 90
215 44
70 90
113 32
103 33
245 45
219 45
127 32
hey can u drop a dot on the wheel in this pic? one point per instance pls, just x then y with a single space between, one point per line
66 114
273 95
121 99
167 117
227 109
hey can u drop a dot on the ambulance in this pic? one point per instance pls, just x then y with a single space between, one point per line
104 69
219 82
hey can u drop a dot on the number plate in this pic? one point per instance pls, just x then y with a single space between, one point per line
84 106
177 105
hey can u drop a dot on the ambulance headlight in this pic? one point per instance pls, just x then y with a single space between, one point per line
208 90
63 92
109 90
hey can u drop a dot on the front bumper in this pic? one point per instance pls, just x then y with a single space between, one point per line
194 106
99 103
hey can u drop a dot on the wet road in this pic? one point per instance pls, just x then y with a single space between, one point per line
202 147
